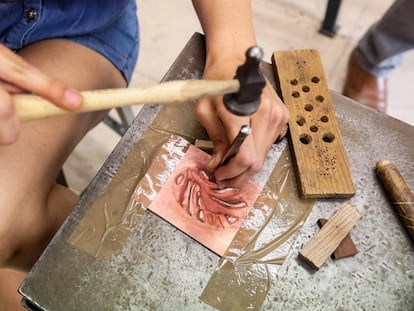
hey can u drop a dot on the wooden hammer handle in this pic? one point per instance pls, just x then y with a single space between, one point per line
397 188
30 107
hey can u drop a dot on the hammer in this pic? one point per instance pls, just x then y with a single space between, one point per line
243 93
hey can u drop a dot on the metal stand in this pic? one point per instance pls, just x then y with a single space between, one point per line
126 116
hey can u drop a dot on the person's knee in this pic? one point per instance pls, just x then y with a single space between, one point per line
28 223
9 245
17 230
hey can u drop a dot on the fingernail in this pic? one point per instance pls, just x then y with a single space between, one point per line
72 98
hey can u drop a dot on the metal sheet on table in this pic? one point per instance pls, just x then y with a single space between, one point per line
162 269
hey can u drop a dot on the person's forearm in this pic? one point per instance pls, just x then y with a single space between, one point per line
227 25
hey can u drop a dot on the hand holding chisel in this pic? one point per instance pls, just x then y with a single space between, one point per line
245 131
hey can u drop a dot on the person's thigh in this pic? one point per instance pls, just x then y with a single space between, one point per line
31 204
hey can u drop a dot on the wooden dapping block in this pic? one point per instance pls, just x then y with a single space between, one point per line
321 164
192 203
324 243
345 249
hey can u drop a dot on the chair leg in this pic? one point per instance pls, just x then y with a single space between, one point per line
126 115
329 26
115 125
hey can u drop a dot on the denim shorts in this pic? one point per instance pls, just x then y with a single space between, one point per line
110 27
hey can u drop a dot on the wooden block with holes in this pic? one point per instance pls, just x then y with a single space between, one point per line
321 163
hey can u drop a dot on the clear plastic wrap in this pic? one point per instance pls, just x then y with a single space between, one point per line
263 240
109 222
244 274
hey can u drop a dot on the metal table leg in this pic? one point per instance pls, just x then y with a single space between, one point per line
329 26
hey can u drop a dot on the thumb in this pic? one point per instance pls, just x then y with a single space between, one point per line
219 149
213 163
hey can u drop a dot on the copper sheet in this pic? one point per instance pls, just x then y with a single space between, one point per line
192 203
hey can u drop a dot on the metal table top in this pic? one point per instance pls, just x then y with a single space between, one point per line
160 268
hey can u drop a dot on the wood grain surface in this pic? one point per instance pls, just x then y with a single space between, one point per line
399 192
324 243
345 249
319 155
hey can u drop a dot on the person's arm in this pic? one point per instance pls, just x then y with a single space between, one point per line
228 27
229 32
18 76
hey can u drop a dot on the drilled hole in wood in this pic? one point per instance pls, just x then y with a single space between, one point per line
300 120
313 128
328 137
324 119
305 88
294 82
315 79
320 98
295 94
305 139
308 107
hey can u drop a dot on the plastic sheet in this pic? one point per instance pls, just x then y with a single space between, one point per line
265 236
243 276
109 222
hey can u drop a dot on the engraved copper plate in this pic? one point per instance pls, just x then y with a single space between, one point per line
192 203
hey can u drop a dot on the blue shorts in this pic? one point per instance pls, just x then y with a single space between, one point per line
109 27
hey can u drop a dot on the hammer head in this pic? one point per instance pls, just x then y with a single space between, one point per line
246 101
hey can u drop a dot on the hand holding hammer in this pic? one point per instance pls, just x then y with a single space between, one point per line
243 99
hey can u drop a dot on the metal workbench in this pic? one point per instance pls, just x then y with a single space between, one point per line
160 268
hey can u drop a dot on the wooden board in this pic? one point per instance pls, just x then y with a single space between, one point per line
320 159
324 243
345 249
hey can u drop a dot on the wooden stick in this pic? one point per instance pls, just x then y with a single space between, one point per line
206 145
324 243
398 190
30 107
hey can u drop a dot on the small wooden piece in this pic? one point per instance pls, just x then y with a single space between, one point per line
401 196
324 243
345 249
319 156
206 145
